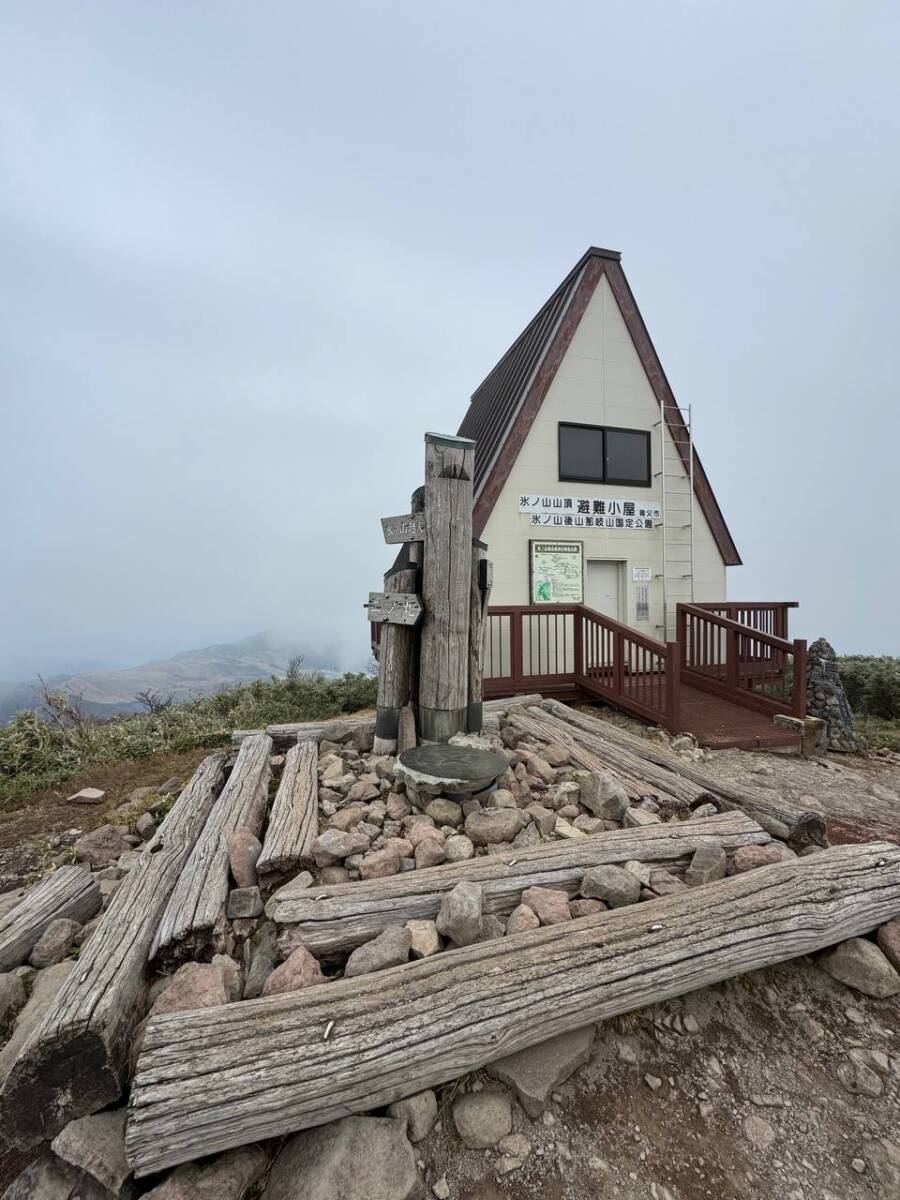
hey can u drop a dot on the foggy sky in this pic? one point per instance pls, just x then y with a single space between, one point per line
250 252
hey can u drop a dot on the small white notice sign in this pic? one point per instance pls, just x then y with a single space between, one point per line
641 574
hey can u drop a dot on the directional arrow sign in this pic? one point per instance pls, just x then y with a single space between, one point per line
397 608
409 528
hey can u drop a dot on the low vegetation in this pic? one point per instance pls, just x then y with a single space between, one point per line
872 684
43 749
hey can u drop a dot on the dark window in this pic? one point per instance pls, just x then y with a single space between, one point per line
594 454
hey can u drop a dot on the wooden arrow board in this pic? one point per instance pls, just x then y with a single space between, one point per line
396 608
408 528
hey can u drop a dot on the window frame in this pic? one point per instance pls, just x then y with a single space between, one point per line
603 429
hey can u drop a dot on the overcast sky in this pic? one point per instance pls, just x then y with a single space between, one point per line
250 252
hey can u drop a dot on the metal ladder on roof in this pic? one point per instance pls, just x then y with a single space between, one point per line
676 475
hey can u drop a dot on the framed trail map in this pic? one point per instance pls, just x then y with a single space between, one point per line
557 572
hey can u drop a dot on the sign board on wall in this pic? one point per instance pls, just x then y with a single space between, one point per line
586 513
557 573
641 574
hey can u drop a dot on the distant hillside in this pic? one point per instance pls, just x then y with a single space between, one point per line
183 676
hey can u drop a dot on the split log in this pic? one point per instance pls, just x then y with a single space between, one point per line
343 730
207 1081
446 576
638 777
70 892
397 664
75 1061
479 597
194 916
294 823
798 826
332 920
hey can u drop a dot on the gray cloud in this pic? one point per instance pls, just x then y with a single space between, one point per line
251 252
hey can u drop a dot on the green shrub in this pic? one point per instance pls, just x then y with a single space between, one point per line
43 750
872 684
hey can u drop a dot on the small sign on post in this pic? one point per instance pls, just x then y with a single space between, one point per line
408 528
395 608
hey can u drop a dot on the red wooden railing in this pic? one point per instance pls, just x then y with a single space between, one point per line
565 647
739 661
768 616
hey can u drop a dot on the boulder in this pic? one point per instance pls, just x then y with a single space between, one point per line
48 1178
229 1176
521 919
418 1113
543 818
299 970
459 848
44 988
348 818
87 795
888 939
586 908
708 864
748 858
861 965
534 1074
635 818
482 1118
101 846
390 948
613 885
259 958
882 1156
244 849
460 913
96 1146
194 985
12 998
430 853
379 864
604 796
550 905
54 943
232 978
493 825
145 827
334 845
445 812
357 1158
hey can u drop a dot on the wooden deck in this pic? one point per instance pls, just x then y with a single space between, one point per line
717 723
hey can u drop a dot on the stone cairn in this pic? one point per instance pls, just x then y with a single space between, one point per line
827 700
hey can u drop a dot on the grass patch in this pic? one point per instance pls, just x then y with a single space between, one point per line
877 731
39 750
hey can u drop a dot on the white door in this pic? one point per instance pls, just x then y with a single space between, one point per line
601 588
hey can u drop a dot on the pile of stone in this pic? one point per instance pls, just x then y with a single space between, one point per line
827 700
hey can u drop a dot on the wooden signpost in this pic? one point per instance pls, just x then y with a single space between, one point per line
434 604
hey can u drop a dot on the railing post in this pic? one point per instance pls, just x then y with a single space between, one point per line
681 639
619 663
673 687
515 645
578 642
732 674
798 683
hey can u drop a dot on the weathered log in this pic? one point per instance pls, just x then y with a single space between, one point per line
798 826
638 777
210 1080
75 1061
294 823
446 575
397 664
346 729
334 919
479 597
70 891
194 916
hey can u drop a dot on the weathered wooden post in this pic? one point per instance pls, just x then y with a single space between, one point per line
479 595
446 586
398 659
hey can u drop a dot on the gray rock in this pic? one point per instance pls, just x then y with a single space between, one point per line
460 914
232 977
244 849
425 939
418 1113
54 943
535 1073
194 985
707 864
145 827
87 795
493 825
259 958
882 1156
333 845
612 885
604 796
227 1177
482 1119
389 949
48 1178
170 787
491 927
244 903
43 992
445 812
636 817
12 998
96 1145
459 848
101 846
860 1073
357 1158
861 965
